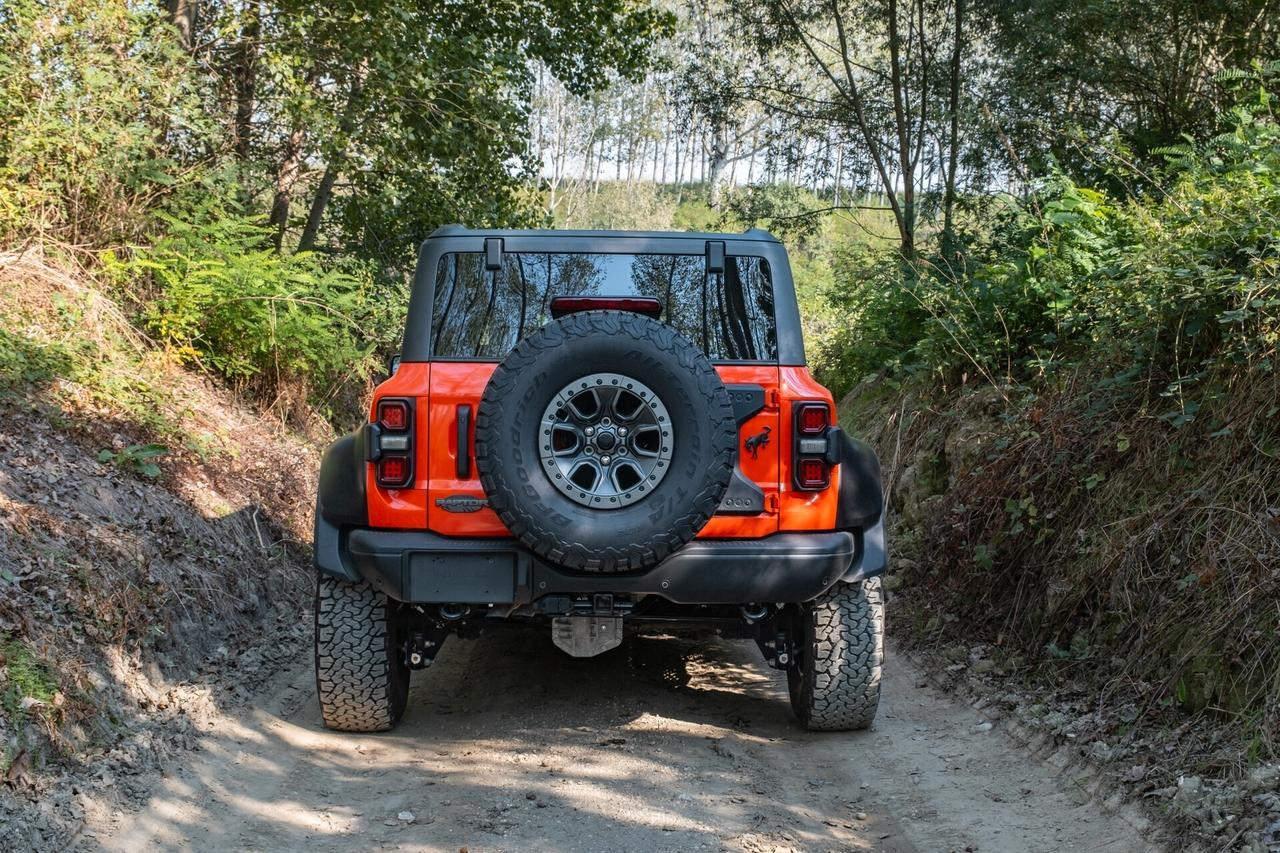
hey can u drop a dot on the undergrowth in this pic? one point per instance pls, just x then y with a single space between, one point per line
1080 417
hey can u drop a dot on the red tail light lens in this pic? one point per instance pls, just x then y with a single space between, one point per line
646 305
813 474
394 471
813 418
390 442
393 415
811 467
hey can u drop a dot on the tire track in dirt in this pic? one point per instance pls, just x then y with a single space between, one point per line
664 744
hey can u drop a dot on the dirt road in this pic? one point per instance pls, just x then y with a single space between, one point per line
663 744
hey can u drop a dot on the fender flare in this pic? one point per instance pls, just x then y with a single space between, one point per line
340 503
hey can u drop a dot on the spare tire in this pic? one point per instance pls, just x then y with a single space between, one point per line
605 441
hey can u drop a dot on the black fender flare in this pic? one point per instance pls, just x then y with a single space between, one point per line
340 503
860 507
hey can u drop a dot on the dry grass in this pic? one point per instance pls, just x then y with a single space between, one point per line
1096 545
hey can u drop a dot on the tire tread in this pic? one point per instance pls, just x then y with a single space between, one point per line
354 678
846 658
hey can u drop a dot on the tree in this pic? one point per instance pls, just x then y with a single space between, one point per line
872 75
713 86
1145 71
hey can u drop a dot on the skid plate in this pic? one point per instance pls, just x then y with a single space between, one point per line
586 636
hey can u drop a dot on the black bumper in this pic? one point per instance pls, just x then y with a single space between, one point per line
422 567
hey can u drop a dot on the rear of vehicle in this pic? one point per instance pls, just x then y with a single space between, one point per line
594 430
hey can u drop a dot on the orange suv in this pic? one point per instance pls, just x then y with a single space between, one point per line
588 430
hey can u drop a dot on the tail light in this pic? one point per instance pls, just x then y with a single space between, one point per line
813 474
393 414
389 443
647 305
394 471
811 456
812 418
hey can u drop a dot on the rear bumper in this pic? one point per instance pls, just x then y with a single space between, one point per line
423 567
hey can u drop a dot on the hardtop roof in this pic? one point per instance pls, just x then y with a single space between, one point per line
752 234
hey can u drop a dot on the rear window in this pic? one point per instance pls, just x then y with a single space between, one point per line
482 314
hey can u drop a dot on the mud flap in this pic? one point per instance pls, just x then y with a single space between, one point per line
586 636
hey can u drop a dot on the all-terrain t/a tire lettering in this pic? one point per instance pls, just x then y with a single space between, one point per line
835 685
362 682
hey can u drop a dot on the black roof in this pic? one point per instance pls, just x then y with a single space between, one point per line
753 234
455 238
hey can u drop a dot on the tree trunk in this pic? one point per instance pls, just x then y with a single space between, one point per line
324 193
336 160
245 75
835 199
182 14
717 159
286 177
953 154
906 221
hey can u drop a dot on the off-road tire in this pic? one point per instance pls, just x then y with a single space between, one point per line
361 679
835 686
507 441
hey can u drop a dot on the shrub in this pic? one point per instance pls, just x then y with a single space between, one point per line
216 293
1179 290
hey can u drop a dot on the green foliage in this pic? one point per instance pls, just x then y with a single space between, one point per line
136 458
1131 72
1177 291
27 675
85 88
189 167
215 292
24 362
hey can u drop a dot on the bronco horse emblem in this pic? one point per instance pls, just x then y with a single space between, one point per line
757 441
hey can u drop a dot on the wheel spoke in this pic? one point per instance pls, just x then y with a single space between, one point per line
565 440
586 405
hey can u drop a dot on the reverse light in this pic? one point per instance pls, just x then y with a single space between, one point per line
646 305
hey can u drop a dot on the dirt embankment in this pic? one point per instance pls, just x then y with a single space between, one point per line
152 536
1101 577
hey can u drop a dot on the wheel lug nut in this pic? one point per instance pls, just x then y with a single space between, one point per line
590 430
622 430
604 459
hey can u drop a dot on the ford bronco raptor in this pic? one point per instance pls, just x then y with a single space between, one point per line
591 430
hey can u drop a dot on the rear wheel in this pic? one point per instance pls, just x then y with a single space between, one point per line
835 683
361 678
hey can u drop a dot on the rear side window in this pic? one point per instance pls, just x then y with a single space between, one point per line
482 314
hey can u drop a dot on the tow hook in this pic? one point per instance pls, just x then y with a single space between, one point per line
420 650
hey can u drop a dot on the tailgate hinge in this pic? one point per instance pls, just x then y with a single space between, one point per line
771 502
775 399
